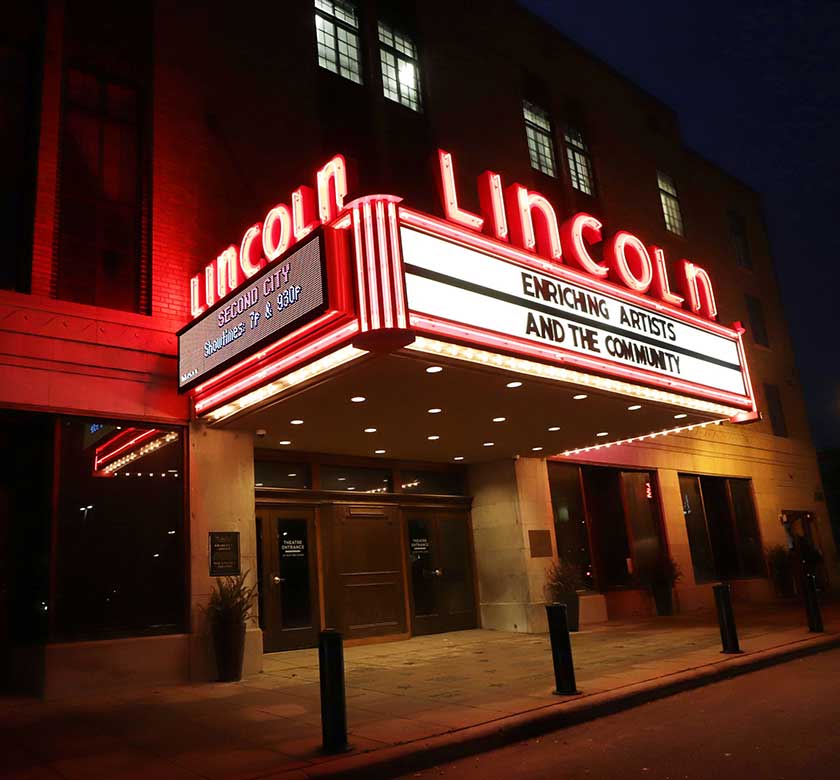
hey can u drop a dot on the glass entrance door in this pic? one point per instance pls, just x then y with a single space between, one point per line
289 613
440 564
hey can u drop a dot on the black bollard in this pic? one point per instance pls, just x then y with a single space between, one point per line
812 604
333 705
561 650
726 619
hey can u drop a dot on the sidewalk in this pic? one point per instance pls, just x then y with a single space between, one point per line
433 695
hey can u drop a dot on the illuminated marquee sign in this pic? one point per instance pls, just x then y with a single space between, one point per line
283 296
514 279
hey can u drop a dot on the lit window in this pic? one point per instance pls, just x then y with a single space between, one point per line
740 242
580 163
540 143
670 203
337 28
400 68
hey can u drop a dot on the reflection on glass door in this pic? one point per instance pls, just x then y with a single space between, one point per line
288 580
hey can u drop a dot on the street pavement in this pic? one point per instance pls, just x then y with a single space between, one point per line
401 696
780 723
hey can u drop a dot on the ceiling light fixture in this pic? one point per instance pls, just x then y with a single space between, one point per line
554 428
580 396
379 452
284 442
680 416
370 430
634 408
513 384
296 422
489 444
458 457
433 437
603 433
434 369
434 410
535 449
358 399
499 419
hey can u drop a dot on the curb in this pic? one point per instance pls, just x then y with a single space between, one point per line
424 753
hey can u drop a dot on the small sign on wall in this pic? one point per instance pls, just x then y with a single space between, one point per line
224 553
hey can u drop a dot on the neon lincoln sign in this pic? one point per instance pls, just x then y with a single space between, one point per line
528 220
264 242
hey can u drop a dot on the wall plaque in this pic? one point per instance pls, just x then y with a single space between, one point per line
224 553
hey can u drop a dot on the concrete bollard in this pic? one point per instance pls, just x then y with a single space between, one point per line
561 650
726 619
333 703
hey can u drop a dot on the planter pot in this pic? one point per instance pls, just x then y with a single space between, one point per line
572 602
663 597
229 642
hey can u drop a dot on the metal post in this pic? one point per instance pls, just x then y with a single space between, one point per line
726 619
561 650
812 604
333 705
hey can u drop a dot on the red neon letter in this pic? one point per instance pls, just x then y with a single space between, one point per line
493 205
250 257
277 232
617 250
545 234
227 271
697 285
575 234
303 212
334 171
210 283
195 305
660 286
449 195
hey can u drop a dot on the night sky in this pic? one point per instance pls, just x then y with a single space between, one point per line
756 86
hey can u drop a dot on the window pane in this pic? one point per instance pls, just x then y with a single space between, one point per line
775 410
612 553
670 203
570 518
721 530
336 25
746 529
695 523
120 548
279 474
580 164
640 503
442 483
757 325
538 135
356 479
398 58
740 242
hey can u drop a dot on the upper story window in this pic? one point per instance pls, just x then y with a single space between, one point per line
775 410
400 68
670 203
101 260
757 324
337 29
580 161
740 242
539 135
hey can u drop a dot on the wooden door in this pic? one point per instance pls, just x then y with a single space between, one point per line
367 587
441 573
288 579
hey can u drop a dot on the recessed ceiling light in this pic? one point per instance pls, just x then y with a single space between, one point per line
358 399
292 475
680 416
458 457
434 410
257 484
379 452
580 396
434 369
342 479
370 430
433 437
603 433
634 408
514 384
489 443
296 422
284 442
554 428
499 419
535 449
351 488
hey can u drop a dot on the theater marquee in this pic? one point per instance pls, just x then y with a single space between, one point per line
374 275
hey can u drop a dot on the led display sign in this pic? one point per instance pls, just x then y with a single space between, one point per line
282 297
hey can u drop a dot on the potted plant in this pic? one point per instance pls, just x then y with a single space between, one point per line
780 569
562 581
231 604
659 575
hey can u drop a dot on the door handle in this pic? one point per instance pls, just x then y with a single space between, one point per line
277 580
